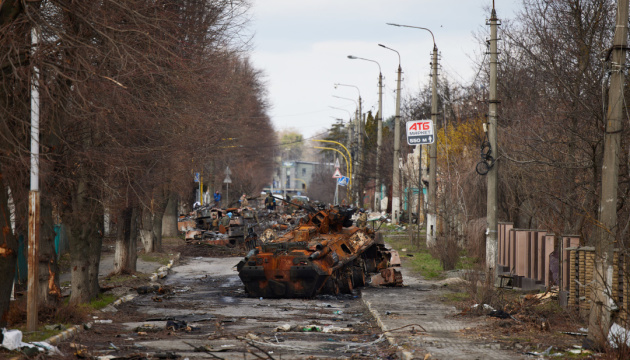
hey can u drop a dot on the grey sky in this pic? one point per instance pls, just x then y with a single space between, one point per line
302 47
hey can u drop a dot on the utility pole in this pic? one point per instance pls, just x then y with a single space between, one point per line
601 302
379 143
336 201
356 157
432 203
33 200
349 191
491 209
360 130
396 170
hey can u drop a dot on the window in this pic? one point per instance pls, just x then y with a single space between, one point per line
303 171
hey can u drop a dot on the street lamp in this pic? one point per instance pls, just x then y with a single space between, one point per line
345 98
395 172
379 137
432 201
350 125
338 108
359 136
358 128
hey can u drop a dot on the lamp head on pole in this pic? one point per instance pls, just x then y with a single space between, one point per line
352 57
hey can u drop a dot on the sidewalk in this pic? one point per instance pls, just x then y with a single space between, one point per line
418 303
106 267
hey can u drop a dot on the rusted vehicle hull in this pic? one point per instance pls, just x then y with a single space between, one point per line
320 256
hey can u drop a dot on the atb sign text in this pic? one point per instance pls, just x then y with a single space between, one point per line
420 132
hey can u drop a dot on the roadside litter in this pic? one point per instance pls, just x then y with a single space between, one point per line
146 328
313 328
12 340
152 289
178 325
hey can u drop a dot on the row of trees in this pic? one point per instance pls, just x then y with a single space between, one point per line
556 123
554 68
553 75
135 96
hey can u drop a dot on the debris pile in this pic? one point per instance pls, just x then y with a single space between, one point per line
243 228
232 227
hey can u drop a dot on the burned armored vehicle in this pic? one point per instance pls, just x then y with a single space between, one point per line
324 254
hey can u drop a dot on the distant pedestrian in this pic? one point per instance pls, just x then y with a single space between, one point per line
217 199
244 201
270 202
225 220
362 220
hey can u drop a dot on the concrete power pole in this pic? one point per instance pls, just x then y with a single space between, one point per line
33 202
432 201
361 133
379 139
491 209
357 156
600 316
396 170
379 142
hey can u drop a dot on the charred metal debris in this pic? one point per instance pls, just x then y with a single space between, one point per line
324 254
300 252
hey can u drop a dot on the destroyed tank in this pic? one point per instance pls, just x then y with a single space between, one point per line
324 254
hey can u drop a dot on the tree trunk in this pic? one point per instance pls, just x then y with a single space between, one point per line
169 220
84 221
133 236
157 230
146 229
126 248
8 254
49 290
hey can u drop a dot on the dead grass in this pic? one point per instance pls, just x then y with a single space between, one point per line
58 314
447 252
160 258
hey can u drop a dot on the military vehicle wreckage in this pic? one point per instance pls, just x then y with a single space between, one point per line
324 254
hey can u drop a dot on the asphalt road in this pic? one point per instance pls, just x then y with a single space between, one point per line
224 322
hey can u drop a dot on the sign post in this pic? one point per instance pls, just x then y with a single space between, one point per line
420 132
337 175
227 181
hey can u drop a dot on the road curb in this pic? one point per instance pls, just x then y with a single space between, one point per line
64 335
164 270
404 354
70 332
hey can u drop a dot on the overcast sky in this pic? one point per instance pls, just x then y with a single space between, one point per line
302 48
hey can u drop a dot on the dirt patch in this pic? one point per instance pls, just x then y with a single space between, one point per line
524 335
